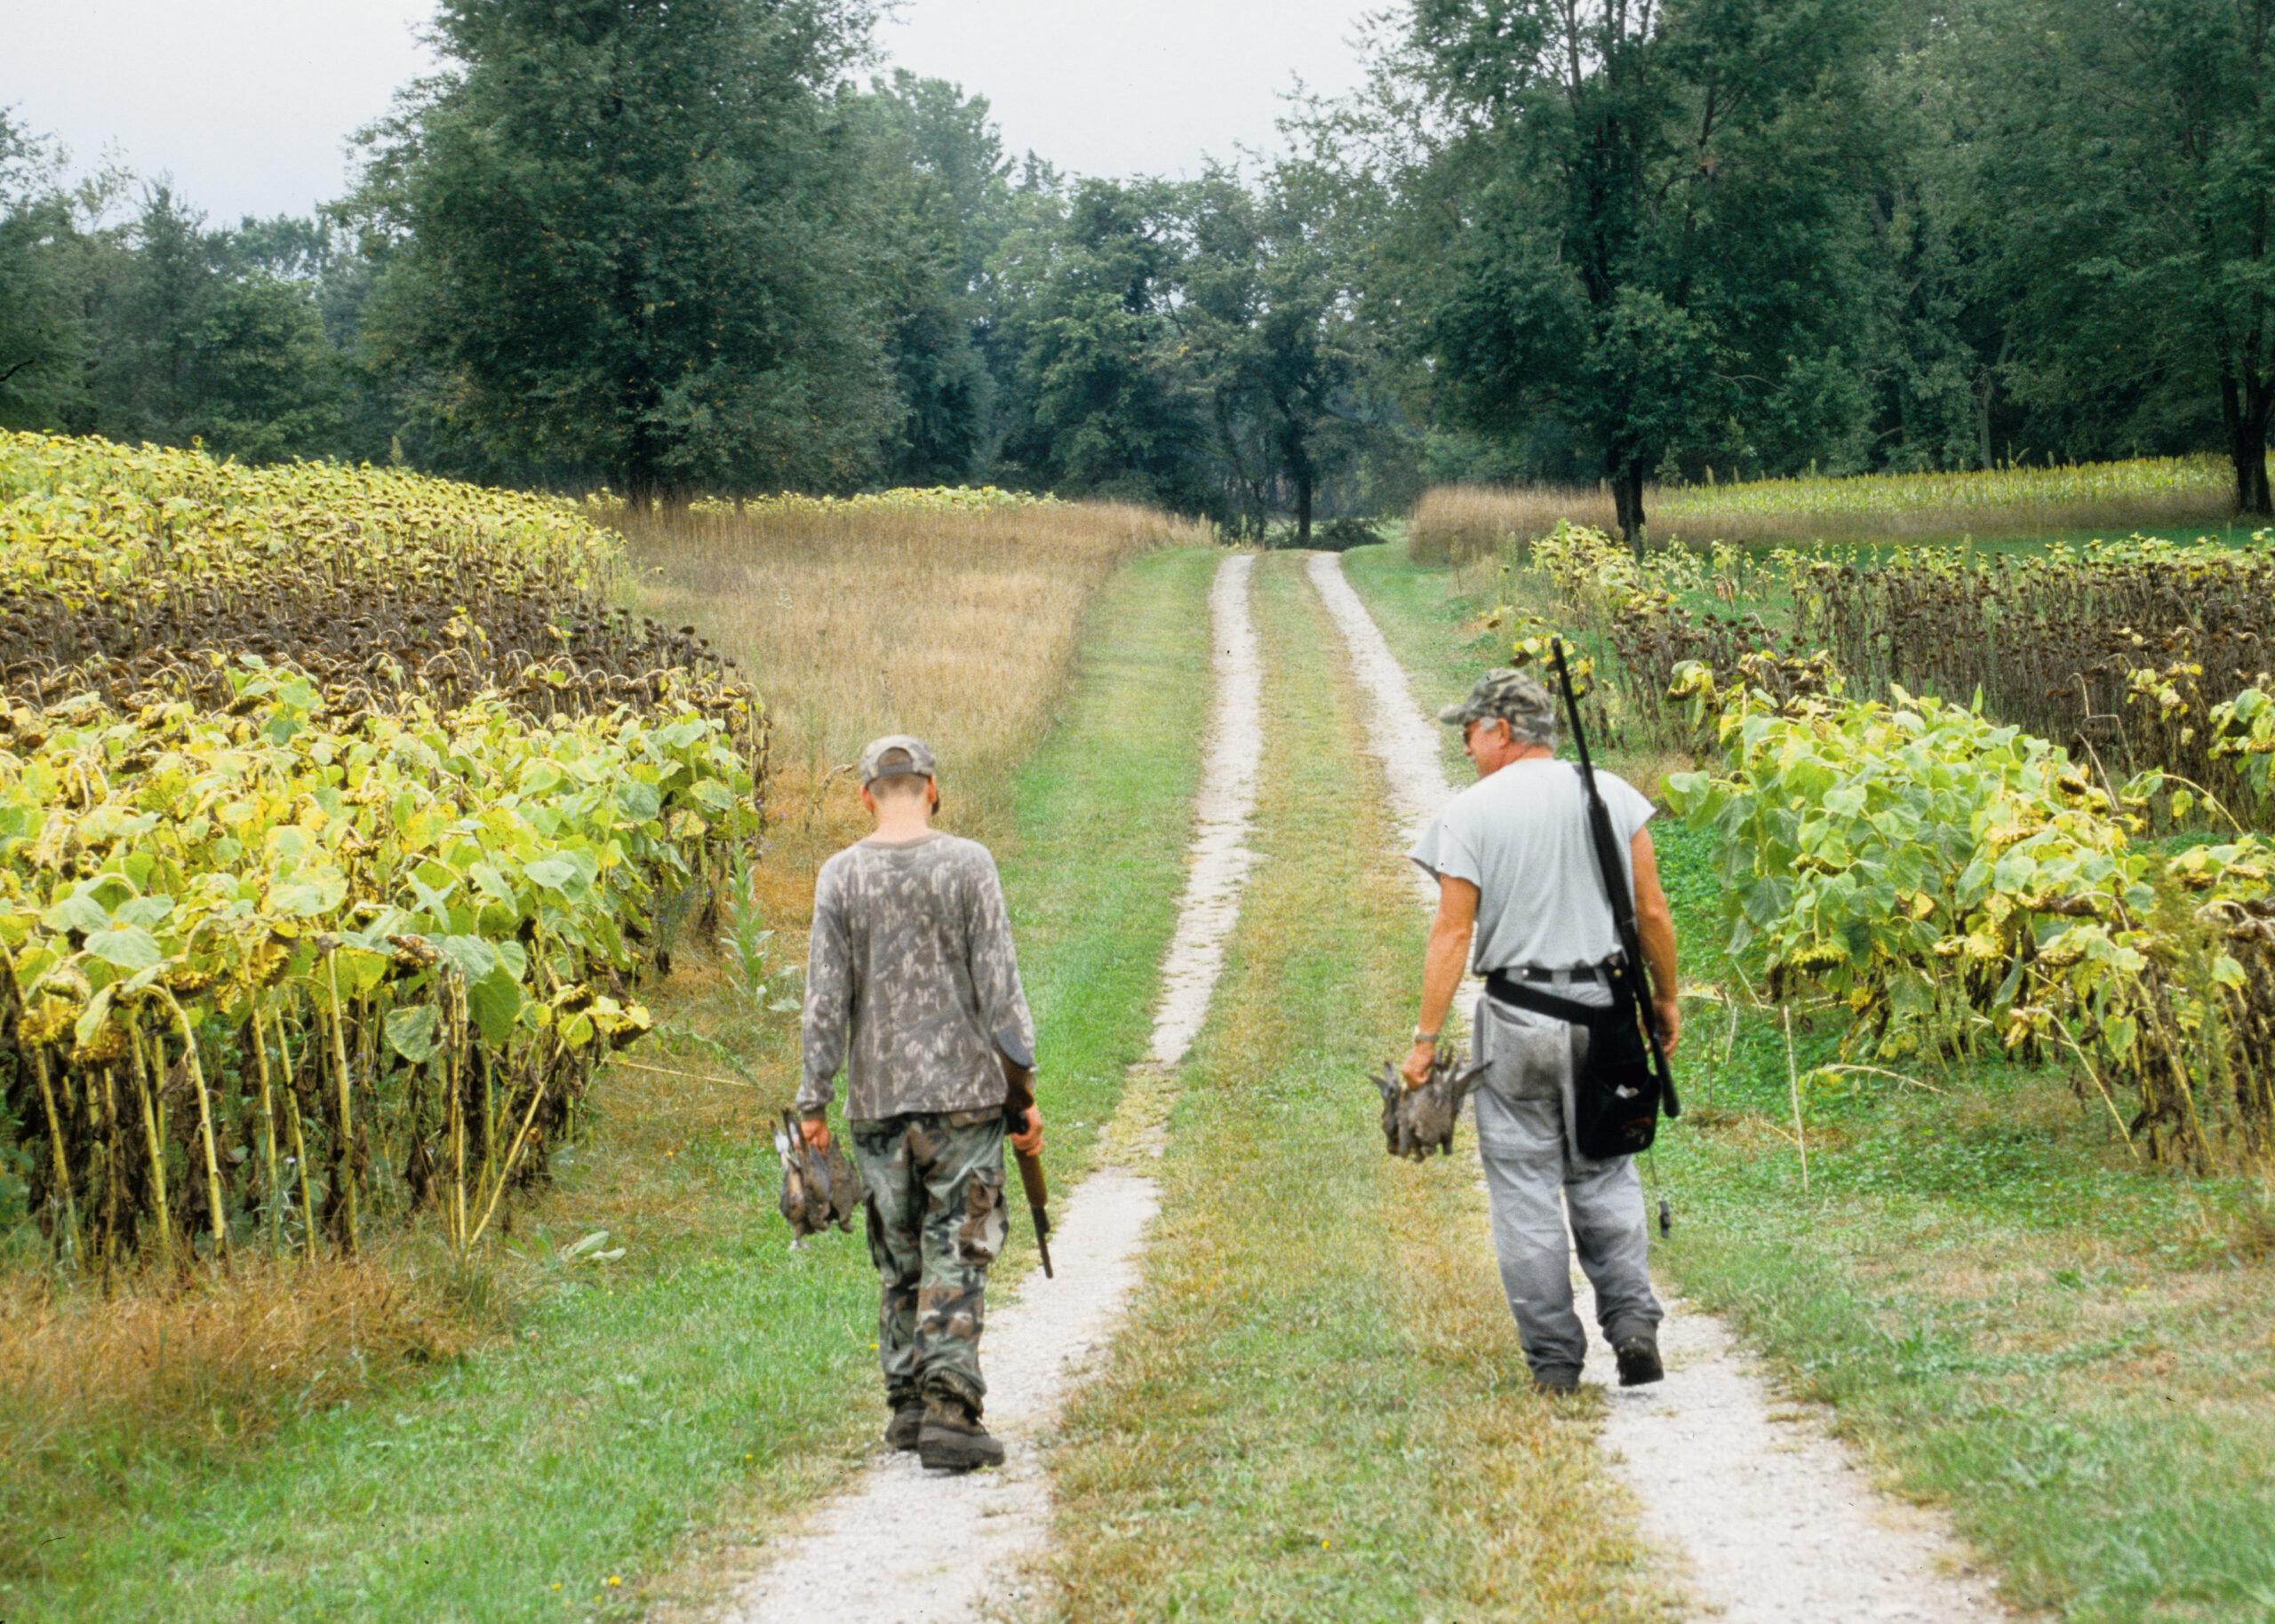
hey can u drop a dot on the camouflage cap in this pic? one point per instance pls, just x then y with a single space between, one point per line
894 754
1505 694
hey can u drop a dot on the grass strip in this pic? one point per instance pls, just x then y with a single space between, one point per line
1319 1408
1434 619
604 1453
2076 1357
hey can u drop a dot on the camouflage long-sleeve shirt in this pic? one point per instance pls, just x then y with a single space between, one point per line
910 974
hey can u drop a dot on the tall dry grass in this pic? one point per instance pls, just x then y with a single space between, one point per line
957 627
1454 522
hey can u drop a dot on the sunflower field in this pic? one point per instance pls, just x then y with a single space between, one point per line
338 810
1948 879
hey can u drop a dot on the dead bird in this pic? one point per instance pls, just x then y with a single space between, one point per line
820 1188
1418 1121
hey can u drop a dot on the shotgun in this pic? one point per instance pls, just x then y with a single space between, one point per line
1619 889
1018 1094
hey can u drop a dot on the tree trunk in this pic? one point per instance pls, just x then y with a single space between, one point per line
1627 477
1303 507
2246 406
643 472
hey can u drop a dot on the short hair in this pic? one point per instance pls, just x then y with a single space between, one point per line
893 785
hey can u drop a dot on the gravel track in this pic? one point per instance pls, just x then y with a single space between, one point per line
905 1545
1759 1511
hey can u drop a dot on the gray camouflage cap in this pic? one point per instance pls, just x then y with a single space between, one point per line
893 755
1505 694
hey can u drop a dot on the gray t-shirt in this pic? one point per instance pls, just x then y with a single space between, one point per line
909 977
1521 837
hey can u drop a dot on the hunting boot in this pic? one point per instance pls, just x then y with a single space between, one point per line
1638 1358
952 1440
907 1422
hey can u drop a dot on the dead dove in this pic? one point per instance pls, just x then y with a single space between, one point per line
1419 1120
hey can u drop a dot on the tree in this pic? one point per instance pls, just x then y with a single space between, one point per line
632 235
40 335
943 181
1267 317
2125 155
1102 403
1624 213
189 339
265 383
147 308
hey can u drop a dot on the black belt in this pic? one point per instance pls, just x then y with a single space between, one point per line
1510 984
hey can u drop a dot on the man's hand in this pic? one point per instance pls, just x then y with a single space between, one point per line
1669 1015
817 1132
1414 1070
1030 1141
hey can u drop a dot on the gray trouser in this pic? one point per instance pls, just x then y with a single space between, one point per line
1528 1161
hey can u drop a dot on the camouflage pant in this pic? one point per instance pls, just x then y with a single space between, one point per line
933 1185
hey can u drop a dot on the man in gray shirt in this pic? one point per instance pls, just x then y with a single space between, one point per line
1518 874
912 984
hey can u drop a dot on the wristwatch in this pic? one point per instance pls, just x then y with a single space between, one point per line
1422 1037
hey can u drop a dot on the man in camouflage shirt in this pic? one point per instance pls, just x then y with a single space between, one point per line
912 983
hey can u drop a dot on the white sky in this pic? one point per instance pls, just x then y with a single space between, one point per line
249 104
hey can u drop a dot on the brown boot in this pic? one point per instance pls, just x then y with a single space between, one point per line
907 1422
952 1440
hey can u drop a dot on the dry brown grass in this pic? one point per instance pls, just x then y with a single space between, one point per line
1456 523
959 627
206 1357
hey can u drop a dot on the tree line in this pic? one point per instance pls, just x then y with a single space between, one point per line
701 246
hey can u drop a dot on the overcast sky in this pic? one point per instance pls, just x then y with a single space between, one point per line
249 104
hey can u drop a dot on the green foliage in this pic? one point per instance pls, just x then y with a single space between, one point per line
190 345
2243 731
1851 839
1948 881
942 181
2120 162
385 915
40 330
1104 405
632 240
410 924
1265 317
1617 213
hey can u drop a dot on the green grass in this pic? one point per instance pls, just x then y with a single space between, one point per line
1320 1409
2075 1356
1434 619
631 1419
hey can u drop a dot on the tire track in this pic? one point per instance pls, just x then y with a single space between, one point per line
1760 1509
905 1545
